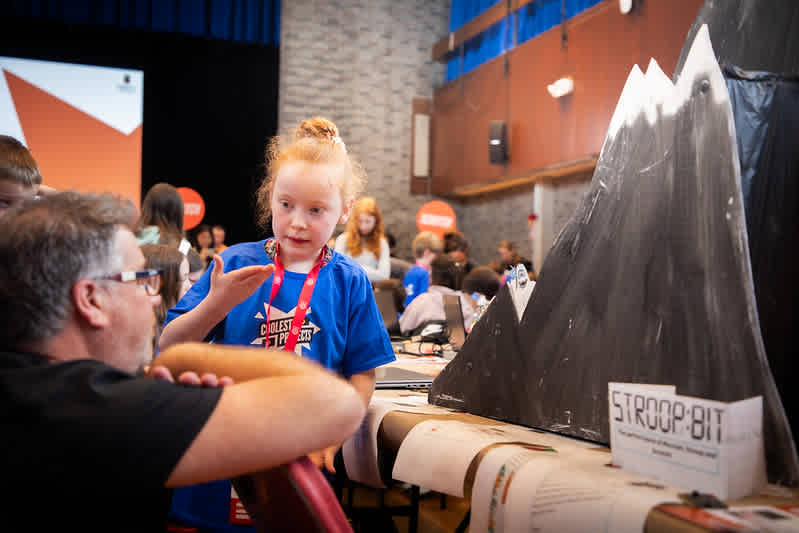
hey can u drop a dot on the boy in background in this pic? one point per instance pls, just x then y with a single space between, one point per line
426 246
429 307
20 178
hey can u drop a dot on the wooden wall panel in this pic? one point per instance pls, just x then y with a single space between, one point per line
419 184
602 46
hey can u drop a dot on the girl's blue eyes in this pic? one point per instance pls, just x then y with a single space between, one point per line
314 210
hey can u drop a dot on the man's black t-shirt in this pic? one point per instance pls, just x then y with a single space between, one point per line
89 446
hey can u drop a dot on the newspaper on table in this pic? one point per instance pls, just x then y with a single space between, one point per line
360 450
437 453
518 489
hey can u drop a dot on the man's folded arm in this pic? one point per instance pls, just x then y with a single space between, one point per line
281 407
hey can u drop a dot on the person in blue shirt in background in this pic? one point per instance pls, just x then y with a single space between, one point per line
426 246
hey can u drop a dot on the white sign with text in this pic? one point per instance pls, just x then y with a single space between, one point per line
698 444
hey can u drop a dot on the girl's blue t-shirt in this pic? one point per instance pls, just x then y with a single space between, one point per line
342 330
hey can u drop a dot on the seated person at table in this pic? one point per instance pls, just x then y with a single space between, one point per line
174 267
482 281
204 243
426 246
429 307
457 246
92 443
161 219
219 234
364 240
20 178
509 257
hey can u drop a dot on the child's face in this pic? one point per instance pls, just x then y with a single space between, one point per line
459 256
219 235
306 206
366 223
505 254
13 194
204 239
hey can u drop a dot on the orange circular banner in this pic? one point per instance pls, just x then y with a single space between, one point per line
193 207
436 216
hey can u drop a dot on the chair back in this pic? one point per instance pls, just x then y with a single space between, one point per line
292 497
387 305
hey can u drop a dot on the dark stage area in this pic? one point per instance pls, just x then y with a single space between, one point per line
209 106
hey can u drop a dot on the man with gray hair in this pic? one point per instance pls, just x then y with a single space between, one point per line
93 442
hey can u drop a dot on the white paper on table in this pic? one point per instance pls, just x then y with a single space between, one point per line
436 453
746 452
558 497
632 504
414 404
360 450
492 480
419 360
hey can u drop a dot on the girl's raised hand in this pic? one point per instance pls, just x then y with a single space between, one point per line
231 288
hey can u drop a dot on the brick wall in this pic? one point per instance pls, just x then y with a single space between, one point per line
496 217
361 63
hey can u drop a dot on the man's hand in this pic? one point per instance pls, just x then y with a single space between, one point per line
324 458
190 378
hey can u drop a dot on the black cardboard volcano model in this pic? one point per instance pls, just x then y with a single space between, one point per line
649 282
750 34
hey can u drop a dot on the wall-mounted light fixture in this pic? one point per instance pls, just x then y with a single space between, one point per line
561 87
497 142
625 6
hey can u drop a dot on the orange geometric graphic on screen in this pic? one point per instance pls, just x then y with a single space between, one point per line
193 207
75 150
436 216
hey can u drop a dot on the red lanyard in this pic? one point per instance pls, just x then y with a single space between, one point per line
302 304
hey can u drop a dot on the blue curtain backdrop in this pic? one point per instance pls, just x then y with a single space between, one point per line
531 20
248 21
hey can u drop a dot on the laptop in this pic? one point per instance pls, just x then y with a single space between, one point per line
390 377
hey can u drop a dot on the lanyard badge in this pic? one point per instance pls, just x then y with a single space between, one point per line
302 304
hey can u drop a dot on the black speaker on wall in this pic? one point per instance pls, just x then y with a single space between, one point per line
497 142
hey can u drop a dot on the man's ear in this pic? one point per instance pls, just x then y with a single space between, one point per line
346 210
90 301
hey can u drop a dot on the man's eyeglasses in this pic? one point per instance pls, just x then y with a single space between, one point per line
149 279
